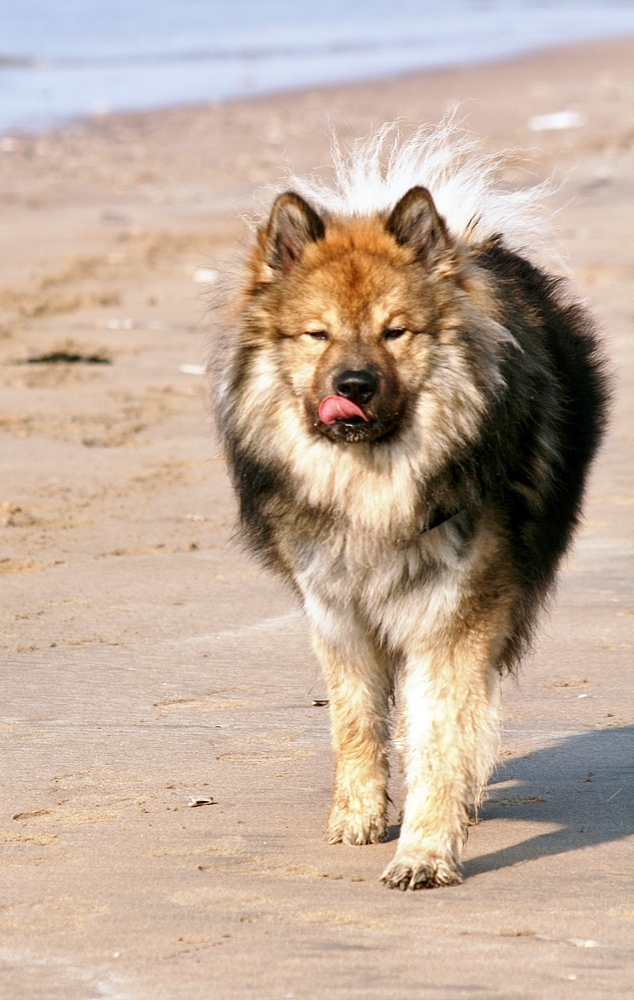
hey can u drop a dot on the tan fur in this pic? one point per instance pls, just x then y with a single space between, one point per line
356 282
401 603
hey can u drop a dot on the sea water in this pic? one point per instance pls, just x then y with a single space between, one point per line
62 58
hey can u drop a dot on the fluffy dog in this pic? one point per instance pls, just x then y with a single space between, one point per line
409 406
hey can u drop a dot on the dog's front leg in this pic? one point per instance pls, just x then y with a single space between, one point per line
359 686
448 733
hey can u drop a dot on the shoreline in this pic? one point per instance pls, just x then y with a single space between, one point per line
468 65
195 169
78 73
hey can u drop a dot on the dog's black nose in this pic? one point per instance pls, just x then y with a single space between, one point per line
358 386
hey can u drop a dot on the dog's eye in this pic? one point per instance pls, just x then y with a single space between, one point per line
317 334
394 334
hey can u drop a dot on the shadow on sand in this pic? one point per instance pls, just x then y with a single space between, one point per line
584 784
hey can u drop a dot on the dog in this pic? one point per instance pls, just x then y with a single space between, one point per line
409 404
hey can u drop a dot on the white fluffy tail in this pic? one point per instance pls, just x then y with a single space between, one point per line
373 173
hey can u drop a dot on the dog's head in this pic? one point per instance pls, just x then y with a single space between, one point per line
353 307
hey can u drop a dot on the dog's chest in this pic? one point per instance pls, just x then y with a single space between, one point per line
396 591
351 566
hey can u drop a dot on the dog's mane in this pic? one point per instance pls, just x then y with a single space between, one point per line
372 174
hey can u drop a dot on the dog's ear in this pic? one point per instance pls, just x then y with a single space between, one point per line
415 222
293 224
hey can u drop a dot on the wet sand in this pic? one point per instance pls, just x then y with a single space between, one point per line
145 659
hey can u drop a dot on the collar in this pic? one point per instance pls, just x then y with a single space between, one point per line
440 518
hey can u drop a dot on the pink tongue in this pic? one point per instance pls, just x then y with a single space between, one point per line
335 408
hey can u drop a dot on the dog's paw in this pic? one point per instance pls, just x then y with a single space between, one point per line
419 871
356 828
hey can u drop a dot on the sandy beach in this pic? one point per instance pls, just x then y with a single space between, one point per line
146 660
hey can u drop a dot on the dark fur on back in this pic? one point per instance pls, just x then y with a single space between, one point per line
551 419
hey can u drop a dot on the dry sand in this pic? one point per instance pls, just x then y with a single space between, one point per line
145 659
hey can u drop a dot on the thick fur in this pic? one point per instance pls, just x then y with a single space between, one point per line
423 541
